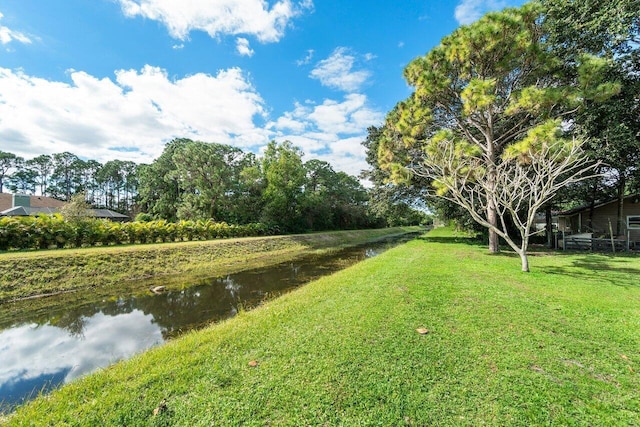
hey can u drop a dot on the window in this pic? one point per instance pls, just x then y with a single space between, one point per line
633 222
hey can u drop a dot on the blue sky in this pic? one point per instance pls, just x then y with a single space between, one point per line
108 79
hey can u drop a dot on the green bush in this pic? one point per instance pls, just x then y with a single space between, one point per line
144 217
48 231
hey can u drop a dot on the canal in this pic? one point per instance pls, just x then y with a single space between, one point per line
40 349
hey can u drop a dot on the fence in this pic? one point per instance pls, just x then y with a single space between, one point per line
582 242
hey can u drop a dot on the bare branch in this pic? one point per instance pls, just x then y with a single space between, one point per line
518 188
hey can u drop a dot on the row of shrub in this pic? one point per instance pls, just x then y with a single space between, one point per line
45 232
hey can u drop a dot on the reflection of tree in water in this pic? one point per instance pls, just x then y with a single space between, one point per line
206 301
370 253
216 299
179 311
231 286
75 320
72 323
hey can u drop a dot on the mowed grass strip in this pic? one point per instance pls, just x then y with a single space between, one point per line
33 273
558 346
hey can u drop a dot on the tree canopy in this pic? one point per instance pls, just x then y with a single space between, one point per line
195 180
611 129
487 108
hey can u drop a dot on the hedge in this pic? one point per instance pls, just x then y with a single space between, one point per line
53 231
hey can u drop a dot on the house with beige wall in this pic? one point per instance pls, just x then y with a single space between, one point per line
598 219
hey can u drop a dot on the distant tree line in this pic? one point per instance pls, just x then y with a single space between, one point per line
194 180
112 185
198 180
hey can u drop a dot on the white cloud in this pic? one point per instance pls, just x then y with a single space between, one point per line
347 117
307 59
350 116
332 131
138 112
7 35
132 116
347 155
337 71
242 46
468 11
290 121
220 17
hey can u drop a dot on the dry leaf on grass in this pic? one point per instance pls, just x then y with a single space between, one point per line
160 408
422 331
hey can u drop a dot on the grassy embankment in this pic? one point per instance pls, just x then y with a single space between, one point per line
29 274
557 346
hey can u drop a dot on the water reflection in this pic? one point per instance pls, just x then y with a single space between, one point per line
40 357
41 350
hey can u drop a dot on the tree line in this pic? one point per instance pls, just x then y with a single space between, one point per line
198 180
194 180
112 185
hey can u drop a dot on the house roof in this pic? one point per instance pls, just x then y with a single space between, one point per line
586 207
22 211
6 202
106 213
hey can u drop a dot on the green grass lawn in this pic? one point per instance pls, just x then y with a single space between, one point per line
557 346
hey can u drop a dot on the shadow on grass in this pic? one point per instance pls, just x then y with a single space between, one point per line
472 241
582 267
585 265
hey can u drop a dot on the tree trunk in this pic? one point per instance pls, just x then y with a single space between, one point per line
622 183
549 226
525 261
212 210
494 240
492 209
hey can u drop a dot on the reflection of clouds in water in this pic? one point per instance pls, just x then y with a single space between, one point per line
231 286
32 351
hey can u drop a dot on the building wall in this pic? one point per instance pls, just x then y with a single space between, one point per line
601 217
46 202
